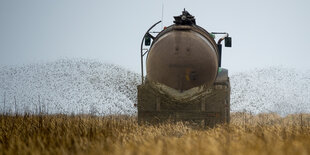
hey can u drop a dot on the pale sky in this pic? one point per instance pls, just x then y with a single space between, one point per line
265 32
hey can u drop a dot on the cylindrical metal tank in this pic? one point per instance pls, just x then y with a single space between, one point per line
183 57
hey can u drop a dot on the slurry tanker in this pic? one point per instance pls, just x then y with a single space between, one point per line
184 80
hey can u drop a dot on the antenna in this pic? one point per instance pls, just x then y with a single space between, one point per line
162 14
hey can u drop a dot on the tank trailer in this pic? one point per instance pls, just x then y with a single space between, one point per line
184 80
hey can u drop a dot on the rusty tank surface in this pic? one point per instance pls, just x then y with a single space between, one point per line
183 57
184 80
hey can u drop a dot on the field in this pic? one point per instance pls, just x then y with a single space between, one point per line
85 134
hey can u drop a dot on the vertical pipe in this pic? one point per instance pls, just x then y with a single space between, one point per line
39 105
15 105
219 46
142 59
4 102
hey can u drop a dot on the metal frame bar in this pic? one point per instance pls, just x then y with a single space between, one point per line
147 50
219 45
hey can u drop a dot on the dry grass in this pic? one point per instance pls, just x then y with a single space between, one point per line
59 134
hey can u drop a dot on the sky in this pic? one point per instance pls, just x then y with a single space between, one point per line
264 32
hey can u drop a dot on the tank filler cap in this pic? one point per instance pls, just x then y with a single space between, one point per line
185 19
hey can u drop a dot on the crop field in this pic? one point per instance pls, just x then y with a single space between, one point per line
85 134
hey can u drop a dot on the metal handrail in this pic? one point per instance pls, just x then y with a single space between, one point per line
143 53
